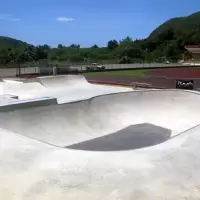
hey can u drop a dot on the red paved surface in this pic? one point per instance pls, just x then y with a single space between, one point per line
158 78
189 72
158 82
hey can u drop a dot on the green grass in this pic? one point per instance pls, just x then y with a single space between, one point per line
137 72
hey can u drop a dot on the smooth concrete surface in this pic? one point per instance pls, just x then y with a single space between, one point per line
136 145
117 144
65 88
59 81
68 124
22 104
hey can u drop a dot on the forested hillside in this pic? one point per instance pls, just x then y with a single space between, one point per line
182 25
6 42
165 43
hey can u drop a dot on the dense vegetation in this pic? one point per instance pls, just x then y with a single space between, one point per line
164 43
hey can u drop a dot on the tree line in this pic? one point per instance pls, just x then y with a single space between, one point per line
168 45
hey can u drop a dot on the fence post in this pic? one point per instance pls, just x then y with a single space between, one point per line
19 70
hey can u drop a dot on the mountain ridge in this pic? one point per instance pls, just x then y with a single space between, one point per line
179 24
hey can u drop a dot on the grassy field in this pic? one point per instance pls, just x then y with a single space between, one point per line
137 72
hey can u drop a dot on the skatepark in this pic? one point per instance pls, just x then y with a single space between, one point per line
64 138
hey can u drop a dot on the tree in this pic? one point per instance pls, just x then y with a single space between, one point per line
40 54
112 44
30 53
166 36
76 58
60 46
75 46
95 47
45 47
4 59
126 42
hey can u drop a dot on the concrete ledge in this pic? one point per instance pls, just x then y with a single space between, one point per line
22 104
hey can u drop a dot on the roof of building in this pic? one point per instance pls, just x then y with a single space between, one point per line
193 48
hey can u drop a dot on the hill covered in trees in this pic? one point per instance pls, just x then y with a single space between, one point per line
165 43
182 25
6 42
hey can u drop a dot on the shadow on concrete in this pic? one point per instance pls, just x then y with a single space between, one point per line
133 137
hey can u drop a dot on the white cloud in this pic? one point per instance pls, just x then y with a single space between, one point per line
64 19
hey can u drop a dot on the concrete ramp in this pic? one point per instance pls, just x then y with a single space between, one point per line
64 88
13 81
23 90
115 119
63 81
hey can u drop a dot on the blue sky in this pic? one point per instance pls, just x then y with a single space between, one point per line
87 22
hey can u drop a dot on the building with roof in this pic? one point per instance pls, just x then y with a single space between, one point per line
193 54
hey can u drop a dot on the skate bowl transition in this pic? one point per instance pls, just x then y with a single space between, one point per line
130 145
65 88
113 122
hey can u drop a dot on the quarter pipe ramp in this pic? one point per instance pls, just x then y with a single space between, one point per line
65 88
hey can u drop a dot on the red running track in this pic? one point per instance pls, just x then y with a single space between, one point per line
158 78
188 72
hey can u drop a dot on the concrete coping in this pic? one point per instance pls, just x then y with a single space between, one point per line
23 104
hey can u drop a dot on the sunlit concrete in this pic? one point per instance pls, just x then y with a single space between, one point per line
131 145
65 88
